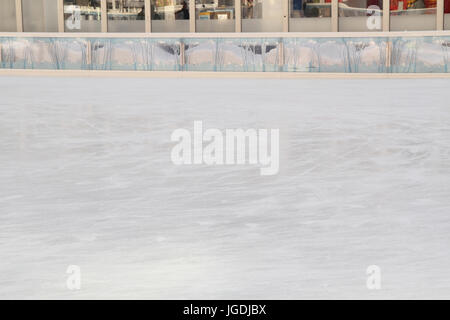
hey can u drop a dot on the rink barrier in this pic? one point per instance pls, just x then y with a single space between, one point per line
333 53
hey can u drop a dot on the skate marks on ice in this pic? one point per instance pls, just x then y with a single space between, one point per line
86 180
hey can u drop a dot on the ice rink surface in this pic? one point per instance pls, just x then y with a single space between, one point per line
86 179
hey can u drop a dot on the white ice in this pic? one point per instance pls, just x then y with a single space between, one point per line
86 179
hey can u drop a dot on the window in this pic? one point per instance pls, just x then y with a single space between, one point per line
214 15
82 15
310 15
126 15
447 14
413 15
262 16
170 15
39 16
8 16
360 15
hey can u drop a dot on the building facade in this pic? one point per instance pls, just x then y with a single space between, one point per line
223 16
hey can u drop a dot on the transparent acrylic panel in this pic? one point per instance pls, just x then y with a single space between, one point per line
31 53
446 14
215 15
14 53
335 54
425 54
40 15
135 54
232 55
90 54
309 15
148 54
126 16
82 15
413 15
361 15
262 16
430 54
8 16
170 15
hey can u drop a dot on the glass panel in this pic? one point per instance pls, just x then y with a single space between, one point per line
40 15
413 15
214 15
447 14
126 16
135 54
8 16
310 15
170 15
245 55
90 53
262 16
82 15
429 54
335 55
360 15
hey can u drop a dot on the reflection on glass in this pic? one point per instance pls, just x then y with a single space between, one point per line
310 15
262 16
40 15
360 15
413 15
126 15
170 15
82 15
447 14
214 15
427 54
242 55
8 16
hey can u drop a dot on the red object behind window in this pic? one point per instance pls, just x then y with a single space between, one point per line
394 5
